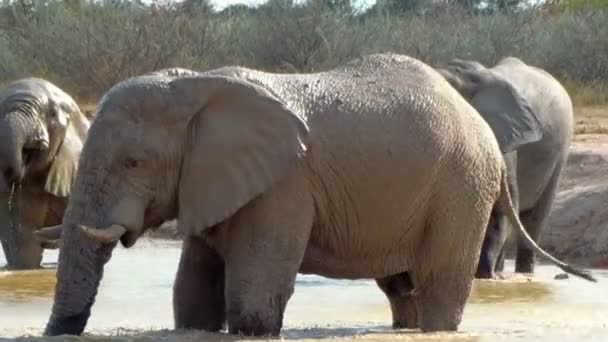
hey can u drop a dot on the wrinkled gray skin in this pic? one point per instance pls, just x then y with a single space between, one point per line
534 168
377 169
42 131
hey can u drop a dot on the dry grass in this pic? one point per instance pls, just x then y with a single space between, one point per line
590 123
586 95
87 49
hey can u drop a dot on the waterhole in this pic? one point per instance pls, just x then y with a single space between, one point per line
134 304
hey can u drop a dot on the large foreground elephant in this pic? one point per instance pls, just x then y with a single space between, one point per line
535 167
377 169
42 132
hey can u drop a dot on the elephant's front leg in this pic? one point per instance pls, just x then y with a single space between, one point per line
399 291
260 279
265 251
198 292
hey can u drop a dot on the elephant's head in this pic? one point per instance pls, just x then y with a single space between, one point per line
195 148
503 107
42 132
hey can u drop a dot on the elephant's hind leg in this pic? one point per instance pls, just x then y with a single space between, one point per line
398 289
447 259
442 298
491 247
198 292
533 221
491 259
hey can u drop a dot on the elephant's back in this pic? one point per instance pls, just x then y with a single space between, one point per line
386 105
389 108
388 136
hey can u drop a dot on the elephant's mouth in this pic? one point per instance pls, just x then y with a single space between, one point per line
129 238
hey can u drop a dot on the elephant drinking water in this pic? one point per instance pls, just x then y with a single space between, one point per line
42 131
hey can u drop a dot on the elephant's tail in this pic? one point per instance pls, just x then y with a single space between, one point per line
506 206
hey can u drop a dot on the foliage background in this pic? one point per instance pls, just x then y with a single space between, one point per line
87 46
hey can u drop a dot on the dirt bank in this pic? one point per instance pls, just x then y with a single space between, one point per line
578 227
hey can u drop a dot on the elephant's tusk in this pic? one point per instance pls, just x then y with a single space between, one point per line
54 244
48 233
105 235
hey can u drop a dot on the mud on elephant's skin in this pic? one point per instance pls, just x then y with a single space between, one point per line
42 131
348 173
535 167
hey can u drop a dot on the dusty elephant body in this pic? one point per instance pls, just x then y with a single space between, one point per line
378 169
535 167
42 132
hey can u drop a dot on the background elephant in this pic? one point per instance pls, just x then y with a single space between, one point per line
42 132
377 169
534 167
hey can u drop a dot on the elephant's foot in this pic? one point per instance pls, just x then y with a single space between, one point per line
254 325
484 271
267 321
442 298
439 311
399 290
405 315
524 262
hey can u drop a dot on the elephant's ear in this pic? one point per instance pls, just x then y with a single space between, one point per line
62 172
242 142
511 118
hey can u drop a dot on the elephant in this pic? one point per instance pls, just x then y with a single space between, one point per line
375 169
42 131
534 167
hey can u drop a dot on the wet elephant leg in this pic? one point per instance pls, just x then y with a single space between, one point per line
265 244
491 258
441 299
500 262
259 282
446 259
198 291
534 220
491 247
399 291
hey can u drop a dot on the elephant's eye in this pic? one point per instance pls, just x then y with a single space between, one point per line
131 163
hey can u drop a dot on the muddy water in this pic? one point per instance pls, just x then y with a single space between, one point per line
134 303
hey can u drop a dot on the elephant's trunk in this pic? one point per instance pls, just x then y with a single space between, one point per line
21 249
79 272
16 131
